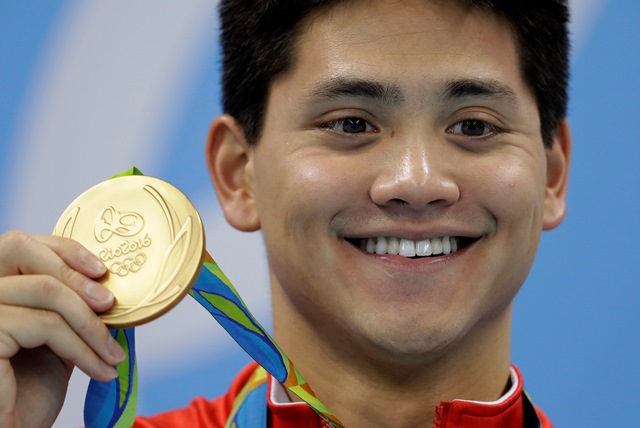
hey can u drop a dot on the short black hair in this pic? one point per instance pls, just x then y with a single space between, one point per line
259 38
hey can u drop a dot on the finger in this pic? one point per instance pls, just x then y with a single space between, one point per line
8 393
21 253
75 254
46 293
47 328
16 244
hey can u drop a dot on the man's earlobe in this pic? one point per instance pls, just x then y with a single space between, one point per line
558 159
230 162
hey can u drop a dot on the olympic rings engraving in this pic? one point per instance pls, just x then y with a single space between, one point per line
129 264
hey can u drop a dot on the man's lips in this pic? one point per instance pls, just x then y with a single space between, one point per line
433 247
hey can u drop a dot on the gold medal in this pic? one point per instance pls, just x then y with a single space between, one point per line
150 237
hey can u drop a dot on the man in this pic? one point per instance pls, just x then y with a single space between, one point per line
401 159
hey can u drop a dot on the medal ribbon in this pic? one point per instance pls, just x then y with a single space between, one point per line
113 404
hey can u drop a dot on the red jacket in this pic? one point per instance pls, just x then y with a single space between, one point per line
201 413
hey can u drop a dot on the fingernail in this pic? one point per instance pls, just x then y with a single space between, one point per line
93 263
110 372
98 293
115 350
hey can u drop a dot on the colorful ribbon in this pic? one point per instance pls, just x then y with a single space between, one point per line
113 404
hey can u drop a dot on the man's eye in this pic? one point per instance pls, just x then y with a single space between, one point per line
350 125
472 128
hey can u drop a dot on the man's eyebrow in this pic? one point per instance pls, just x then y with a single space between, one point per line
340 87
478 88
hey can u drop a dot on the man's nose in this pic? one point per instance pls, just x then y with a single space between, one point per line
416 173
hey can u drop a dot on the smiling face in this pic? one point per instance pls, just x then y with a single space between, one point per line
400 181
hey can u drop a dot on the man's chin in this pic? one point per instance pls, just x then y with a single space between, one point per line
406 347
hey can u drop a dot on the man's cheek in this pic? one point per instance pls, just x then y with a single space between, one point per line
320 183
514 187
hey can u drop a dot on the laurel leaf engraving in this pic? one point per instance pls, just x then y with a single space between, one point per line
175 257
68 224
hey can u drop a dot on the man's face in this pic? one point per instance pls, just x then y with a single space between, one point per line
405 127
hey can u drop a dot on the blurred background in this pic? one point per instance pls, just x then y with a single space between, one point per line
88 89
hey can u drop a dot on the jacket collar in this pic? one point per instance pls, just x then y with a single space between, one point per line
508 411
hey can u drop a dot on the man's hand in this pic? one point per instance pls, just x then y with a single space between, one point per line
48 325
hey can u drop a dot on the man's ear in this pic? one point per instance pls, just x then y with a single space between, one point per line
558 157
230 163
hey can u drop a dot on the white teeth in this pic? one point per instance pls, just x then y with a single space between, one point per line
446 245
436 246
381 246
408 248
393 246
371 245
423 248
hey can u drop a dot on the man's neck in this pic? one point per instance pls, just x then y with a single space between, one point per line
361 390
